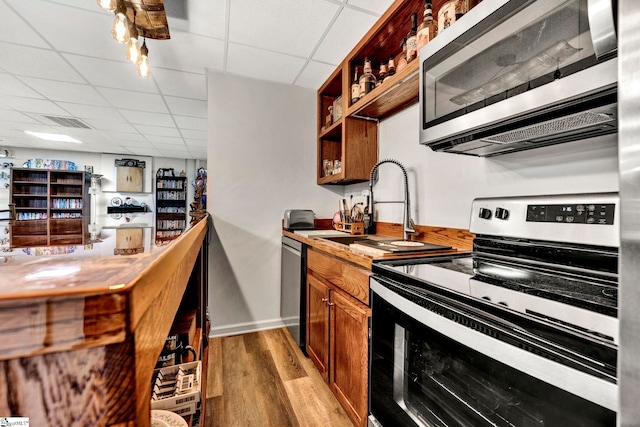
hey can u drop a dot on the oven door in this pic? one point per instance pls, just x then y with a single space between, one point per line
437 364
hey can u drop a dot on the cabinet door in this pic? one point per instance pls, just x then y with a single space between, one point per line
350 355
129 179
318 324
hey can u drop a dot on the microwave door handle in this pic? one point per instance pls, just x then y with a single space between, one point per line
602 26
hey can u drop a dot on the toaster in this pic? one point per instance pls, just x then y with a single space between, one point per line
298 219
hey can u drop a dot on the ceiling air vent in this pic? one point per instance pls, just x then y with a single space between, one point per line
69 122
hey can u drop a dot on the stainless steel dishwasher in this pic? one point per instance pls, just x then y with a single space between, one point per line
292 288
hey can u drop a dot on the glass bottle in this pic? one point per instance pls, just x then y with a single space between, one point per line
401 60
391 67
382 74
355 88
367 79
428 27
451 11
412 39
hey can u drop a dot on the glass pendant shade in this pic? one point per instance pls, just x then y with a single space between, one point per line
120 29
108 5
144 69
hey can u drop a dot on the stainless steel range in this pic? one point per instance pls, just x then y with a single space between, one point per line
522 332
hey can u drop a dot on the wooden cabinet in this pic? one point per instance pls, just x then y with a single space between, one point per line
338 330
51 207
352 138
129 179
171 207
129 241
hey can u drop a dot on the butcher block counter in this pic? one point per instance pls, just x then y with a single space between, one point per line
81 332
460 240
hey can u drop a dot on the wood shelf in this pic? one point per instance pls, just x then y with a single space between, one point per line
169 225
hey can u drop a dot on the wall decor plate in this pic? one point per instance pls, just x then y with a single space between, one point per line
171 418
156 422
116 201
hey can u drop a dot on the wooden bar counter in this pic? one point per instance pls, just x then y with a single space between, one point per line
80 335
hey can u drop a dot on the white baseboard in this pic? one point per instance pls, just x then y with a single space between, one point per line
243 328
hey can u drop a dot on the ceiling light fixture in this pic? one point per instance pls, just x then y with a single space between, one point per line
133 48
108 5
53 137
120 28
144 69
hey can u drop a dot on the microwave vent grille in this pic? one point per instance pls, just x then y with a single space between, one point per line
552 127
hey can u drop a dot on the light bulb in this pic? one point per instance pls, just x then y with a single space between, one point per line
133 50
144 69
120 29
108 5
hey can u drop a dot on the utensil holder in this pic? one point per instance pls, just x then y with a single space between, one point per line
355 228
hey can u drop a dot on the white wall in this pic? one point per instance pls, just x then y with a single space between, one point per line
262 161
442 185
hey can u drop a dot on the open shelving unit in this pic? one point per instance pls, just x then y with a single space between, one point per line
171 206
51 207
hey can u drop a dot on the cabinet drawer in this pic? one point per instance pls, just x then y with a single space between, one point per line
351 279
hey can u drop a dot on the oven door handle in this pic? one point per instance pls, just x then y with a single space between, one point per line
594 389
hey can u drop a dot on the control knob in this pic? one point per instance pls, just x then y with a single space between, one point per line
502 213
484 213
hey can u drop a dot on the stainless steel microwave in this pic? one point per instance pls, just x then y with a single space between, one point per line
512 75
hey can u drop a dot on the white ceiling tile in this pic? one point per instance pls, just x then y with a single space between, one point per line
53 22
314 75
166 140
83 111
134 100
138 144
109 73
194 134
194 123
377 6
176 154
187 107
7 116
39 106
14 29
277 25
344 34
151 119
157 131
35 62
178 83
132 137
250 62
110 125
10 85
62 91
197 143
206 17
186 52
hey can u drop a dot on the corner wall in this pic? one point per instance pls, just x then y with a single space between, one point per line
261 161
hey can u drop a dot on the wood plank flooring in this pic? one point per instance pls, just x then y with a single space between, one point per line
263 379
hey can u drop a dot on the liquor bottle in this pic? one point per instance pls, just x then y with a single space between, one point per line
412 39
355 88
382 74
401 60
450 11
367 79
428 27
391 67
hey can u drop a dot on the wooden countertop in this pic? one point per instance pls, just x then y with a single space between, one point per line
460 240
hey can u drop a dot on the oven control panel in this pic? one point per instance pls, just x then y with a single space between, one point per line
601 214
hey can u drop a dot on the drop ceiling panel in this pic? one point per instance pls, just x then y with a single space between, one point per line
187 107
8 116
166 140
345 33
157 131
31 105
110 125
10 85
194 134
35 62
178 53
376 6
111 73
127 100
14 30
288 26
205 17
314 75
175 83
250 62
193 123
151 119
61 91
83 111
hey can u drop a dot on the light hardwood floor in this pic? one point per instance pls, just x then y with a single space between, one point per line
263 379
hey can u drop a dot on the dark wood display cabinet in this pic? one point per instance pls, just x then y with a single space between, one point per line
51 207
171 206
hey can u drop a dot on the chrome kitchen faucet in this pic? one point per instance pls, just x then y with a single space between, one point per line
407 223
